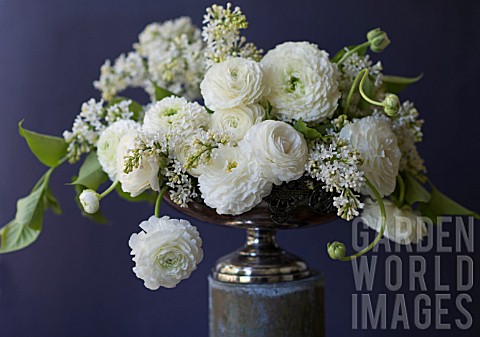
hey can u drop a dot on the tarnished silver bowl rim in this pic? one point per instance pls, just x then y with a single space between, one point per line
290 205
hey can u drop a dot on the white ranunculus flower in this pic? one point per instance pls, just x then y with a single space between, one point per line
403 226
234 82
90 201
280 149
166 252
237 121
233 183
175 114
377 144
143 177
302 81
183 149
108 142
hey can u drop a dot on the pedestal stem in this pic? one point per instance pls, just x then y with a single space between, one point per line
260 243
260 260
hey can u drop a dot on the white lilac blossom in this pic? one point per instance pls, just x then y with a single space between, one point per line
165 252
118 111
337 165
408 128
85 130
377 145
221 33
162 153
237 121
279 148
168 54
175 115
157 36
231 83
90 123
126 71
184 149
349 69
108 142
403 225
201 149
182 187
90 201
302 80
137 169
233 183
173 53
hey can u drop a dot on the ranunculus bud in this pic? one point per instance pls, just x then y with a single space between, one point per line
378 40
90 201
336 250
391 104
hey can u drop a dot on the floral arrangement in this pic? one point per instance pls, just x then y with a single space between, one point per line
225 122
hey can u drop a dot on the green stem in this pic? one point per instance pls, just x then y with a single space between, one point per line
158 203
353 50
401 185
41 181
365 97
110 189
352 90
382 228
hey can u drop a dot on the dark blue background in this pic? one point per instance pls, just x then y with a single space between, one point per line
77 279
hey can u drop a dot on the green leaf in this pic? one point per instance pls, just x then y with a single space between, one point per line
147 196
323 128
50 202
30 209
308 133
268 111
161 93
14 236
97 217
91 174
27 225
48 149
361 52
395 84
440 204
414 191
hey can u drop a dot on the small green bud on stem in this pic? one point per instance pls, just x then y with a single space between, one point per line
391 104
378 40
336 250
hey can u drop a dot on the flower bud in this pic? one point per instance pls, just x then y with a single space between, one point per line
340 121
90 201
336 250
391 104
378 40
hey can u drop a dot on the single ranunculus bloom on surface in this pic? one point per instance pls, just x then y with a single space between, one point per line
165 252
231 83
302 82
403 225
280 149
377 144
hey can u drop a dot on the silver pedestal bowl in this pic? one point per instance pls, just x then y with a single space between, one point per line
290 205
